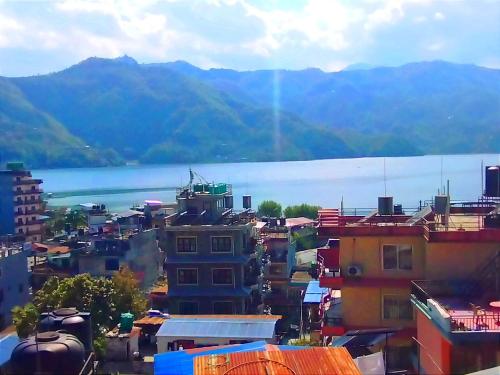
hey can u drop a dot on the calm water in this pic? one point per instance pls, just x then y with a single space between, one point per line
321 182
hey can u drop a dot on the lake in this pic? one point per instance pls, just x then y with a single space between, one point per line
322 182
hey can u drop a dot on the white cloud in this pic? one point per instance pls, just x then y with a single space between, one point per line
391 12
439 16
436 46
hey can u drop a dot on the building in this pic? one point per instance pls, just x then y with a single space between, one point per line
21 204
380 253
138 251
14 282
191 331
211 260
458 327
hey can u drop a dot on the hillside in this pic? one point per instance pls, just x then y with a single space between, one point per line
157 115
37 139
431 107
105 111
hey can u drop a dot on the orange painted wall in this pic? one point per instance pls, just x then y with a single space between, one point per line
363 307
367 251
456 259
435 351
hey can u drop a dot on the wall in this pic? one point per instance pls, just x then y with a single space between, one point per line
13 276
367 251
362 307
6 204
162 341
454 260
434 350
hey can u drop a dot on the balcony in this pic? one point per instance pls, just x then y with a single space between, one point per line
330 278
23 202
456 305
27 192
332 326
29 181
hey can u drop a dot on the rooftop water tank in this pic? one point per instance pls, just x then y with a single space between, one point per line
48 353
441 204
247 201
126 322
282 221
385 206
228 201
273 222
70 320
492 183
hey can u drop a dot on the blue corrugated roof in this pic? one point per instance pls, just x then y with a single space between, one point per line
7 344
181 362
238 329
314 292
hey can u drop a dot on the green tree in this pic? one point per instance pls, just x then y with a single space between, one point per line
25 319
269 208
305 210
104 299
76 218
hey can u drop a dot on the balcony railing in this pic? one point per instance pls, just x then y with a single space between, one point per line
28 192
31 181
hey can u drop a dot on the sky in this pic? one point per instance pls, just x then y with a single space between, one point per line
45 36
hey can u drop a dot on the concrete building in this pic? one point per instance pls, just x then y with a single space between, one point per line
14 282
138 251
382 252
20 203
211 260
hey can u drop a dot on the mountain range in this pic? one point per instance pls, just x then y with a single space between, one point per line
108 111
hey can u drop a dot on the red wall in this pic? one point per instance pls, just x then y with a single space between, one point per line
435 351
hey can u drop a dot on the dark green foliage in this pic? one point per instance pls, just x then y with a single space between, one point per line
104 299
176 113
302 210
269 208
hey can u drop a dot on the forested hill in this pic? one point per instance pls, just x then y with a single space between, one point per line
107 111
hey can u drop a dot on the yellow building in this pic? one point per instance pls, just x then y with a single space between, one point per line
380 255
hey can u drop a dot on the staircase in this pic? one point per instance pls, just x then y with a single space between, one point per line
328 217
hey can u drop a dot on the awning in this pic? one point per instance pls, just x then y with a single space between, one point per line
314 292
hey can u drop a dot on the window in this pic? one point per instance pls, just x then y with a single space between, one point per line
223 307
187 276
20 230
222 244
222 276
397 257
186 244
188 307
397 308
112 264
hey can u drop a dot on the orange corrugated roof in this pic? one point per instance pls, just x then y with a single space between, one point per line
150 320
312 361
162 289
58 249
221 316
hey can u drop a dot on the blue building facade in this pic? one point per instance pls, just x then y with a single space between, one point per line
14 282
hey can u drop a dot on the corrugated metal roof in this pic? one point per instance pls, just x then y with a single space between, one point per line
7 344
218 327
317 361
314 292
181 362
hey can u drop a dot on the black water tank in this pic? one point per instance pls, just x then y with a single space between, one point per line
70 320
273 222
398 209
228 201
48 353
492 183
282 221
247 201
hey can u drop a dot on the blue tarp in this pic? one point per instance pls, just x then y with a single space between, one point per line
7 344
181 362
314 292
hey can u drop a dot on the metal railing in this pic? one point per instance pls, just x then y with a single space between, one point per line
484 321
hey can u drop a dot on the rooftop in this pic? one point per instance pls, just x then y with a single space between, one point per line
226 326
458 305
315 360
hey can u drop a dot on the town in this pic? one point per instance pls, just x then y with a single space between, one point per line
211 285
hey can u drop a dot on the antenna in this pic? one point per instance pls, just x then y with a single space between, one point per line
385 181
482 177
441 183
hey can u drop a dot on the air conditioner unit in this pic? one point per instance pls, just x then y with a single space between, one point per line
354 270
